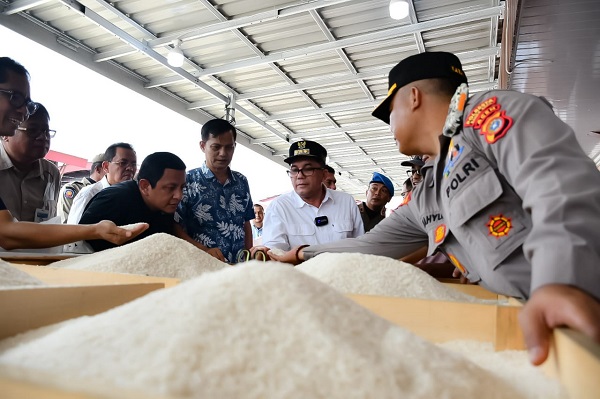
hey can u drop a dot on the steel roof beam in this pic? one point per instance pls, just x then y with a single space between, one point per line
22 5
356 40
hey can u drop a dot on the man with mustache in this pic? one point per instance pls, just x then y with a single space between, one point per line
120 164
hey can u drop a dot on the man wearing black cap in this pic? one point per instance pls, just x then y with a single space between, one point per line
379 193
414 174
312 213
503 198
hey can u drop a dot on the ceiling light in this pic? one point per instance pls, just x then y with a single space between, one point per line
398 9
175 57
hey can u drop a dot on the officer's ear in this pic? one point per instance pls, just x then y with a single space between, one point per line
416 98
144 186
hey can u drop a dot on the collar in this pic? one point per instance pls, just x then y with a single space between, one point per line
7 163
209 173
299 202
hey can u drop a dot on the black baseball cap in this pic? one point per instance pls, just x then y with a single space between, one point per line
428 65
414 161
306 148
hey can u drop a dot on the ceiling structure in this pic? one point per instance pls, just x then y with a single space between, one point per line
295 69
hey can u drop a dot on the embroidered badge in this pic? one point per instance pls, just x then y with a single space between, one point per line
454 153
456 263
69 193
440 233
496 126
499 226
470 121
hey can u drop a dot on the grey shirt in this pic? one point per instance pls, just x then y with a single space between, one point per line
511 199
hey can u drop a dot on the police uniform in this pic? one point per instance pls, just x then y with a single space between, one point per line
68 193
511 200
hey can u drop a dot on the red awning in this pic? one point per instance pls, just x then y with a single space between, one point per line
70 163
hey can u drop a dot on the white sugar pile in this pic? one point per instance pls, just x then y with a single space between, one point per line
355 273
11 277
254 331
510 366
160 255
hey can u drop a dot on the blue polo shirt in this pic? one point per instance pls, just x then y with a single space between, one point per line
213 213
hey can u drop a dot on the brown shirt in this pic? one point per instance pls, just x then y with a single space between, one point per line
24 192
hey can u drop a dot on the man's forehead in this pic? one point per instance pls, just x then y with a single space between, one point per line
224 138
125 153
16 82
173 176
305 162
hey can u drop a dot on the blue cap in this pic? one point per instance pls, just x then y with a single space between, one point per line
379 178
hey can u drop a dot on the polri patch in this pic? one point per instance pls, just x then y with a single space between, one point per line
499 225
69 193
496 126
440 233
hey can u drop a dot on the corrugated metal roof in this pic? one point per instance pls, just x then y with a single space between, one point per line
291 69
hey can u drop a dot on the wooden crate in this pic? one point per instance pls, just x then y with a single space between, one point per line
575 359
28 308
61 276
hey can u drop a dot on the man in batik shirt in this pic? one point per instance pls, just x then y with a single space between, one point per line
217 207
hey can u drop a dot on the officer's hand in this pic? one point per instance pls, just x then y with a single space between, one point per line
109 231
285 257
458 274
553 306
216 253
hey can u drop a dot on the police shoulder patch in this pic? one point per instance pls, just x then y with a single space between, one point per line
496 126
69 193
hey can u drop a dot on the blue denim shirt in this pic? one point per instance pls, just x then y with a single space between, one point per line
213 213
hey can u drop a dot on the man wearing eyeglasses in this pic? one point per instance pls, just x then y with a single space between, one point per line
15 104
120 164
414 174
379 193
30 183
311 213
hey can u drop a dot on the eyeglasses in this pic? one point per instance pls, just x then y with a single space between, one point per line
17 100
125 164
306 171
34 132
412 172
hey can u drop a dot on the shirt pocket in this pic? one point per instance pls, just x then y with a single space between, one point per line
487 219
299 230
343 229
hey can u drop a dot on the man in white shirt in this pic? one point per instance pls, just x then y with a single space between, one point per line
120 164
312 213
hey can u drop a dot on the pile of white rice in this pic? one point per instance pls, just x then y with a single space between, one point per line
160 255
11 277
354 273
511 366
254 331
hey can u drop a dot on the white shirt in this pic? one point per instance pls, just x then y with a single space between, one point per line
290 221
83 197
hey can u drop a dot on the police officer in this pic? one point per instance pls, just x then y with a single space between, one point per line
70 190
510 198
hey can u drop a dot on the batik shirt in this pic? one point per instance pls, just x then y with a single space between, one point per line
214 214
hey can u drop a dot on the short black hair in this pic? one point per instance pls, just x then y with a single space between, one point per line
111 151
10 65
259 205
41 110
154 165
330 169
217 127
